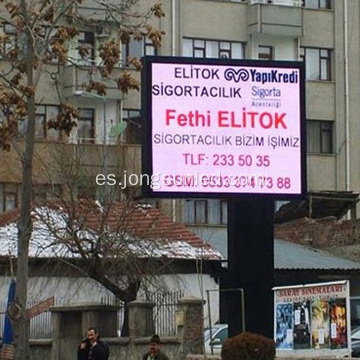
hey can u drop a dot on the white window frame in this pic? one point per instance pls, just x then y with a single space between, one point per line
318 63
320 136
206 48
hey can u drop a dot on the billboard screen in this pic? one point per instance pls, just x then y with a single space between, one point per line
223 127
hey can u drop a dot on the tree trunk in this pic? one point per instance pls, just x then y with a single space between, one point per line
131 295
21 324
125 324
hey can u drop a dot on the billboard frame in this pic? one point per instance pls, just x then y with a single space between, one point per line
146 113
302 293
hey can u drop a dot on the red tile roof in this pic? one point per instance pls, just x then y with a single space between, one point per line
136 220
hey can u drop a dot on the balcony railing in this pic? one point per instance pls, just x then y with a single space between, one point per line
83 140
267 17
296 3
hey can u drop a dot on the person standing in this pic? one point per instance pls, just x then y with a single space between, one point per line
92 348
154 352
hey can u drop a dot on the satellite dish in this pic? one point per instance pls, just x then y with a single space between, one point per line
117 129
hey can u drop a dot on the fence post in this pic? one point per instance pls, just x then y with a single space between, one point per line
69 325
141 322
190 325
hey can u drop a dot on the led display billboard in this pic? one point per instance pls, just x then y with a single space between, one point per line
223 127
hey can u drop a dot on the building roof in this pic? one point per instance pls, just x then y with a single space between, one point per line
144 229
299 257
148 225
318 205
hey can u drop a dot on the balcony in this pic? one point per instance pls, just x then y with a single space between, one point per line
275 17
295 3
75 76
53 160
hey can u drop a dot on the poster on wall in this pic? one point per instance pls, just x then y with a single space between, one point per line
320 324
312 319
338 333
302 325
284 326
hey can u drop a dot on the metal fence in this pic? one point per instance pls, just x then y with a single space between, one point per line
40 326
165 310
164 314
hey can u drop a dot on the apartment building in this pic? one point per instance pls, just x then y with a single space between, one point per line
325 34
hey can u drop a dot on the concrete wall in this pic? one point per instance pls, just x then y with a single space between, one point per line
119 348
71 322
70 290
40 349
201 357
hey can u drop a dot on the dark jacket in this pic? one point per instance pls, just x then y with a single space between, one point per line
160 356
100 351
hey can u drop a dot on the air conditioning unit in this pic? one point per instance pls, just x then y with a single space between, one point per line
82 141
102 31
261 1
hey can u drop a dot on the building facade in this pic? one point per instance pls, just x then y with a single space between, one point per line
324 35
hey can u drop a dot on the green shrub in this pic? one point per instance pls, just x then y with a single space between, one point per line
248 346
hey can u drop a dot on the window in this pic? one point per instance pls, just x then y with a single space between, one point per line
10 40
86 46
319 136
206 211
46 37
133 130
261 1
44 114
265 53
198 48
8 196
196 212
317 63
223 212
39 194
46 192
22 126
14 42
86 126
222 335
86 192
355 311
317 4
82 49
137 48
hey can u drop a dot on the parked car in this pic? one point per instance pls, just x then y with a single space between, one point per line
355 342
220 334
213 345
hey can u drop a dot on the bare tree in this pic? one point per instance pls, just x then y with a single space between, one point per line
121 243
118 245
37 38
